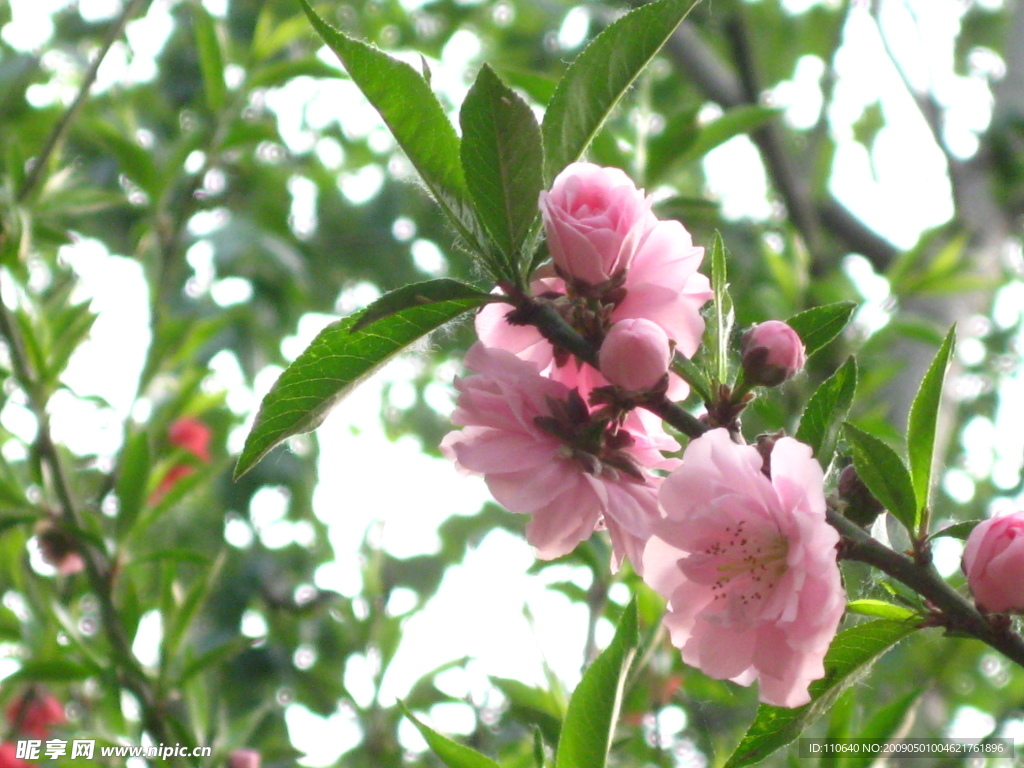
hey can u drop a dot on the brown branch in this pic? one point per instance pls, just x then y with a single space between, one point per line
720 84
554 328
956 613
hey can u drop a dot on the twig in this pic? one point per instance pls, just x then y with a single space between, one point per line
555 329
924 101
97 565
781 167
41 160
717 82
957 613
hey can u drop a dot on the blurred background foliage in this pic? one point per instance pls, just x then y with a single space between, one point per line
225 162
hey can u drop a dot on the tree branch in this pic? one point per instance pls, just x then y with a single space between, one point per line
40 162
98 567
718 83
957 613
554 328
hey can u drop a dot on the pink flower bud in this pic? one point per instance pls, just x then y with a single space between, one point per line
994 563
635 355
9 756
192 435
596 221
772 353
244 758
35 712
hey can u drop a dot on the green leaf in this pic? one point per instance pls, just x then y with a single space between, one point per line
880 609
723 315
451 753
55 670
531 705
589 724
599 77
215 657
958 530
337 360
693 375
818 326
503 161
733 123
417 295
924 413
851 655
885 475
132 479
211 62
826 410
884 723
416 119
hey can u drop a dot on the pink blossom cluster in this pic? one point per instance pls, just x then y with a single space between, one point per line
534 422
736 543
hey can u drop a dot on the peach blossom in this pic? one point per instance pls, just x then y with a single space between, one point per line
748 565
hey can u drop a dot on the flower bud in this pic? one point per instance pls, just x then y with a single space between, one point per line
596 220
35 712
244 758
191 435
994 563
862 507
635 355
772 353
59 548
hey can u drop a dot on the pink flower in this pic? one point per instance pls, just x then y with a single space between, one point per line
748 565
994 563
542 453
596 220
9 756
191 435
35 712
635 355
244 758
662 286
772 353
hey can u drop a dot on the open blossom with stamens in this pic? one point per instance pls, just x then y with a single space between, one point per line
748 564
543 453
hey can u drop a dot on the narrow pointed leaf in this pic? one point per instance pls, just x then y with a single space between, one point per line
880 609
958 530
594 707
826 410
502 160
883 724
885 475
693 375
416 295
851 655
924 413
600 75
414 115
337 360
722 316
211 61
451 753
818 326
735 122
